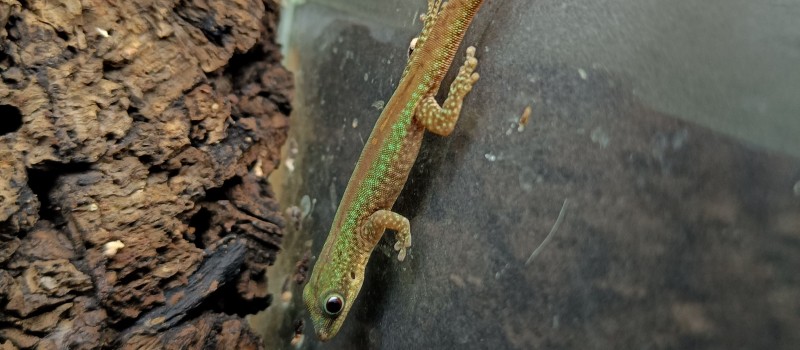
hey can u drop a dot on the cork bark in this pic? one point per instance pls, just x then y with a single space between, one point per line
136 138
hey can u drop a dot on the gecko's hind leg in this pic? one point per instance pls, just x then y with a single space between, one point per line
380 220
442 119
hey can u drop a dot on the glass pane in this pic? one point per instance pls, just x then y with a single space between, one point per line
663 133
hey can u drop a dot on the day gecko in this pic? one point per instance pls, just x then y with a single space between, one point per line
365 210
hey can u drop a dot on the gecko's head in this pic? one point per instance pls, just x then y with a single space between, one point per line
329 295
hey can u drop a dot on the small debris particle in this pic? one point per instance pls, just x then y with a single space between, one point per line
175 298
379 104
475 281
523 119
102 32
600 137
297 341
110 249
156 321
679 139
257 168
413 44
286 297
305 203
457 280
490 157
213 286
582 73
93 207
301 269
526 114
355 123
295 216
292 150
549 236
293 147
48 283
501 272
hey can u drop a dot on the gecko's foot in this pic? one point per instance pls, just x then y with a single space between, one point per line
403 243
442 119
466 74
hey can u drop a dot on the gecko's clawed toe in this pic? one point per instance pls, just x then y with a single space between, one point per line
401 247
474 77
471 63
401 255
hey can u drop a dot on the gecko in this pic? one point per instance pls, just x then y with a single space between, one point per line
364 212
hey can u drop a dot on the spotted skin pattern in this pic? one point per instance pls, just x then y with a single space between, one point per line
364 212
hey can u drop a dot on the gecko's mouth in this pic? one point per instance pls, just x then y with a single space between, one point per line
323 336
326 329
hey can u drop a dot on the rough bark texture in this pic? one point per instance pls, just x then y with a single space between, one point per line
135 141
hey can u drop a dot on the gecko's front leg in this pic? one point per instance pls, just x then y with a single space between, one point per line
441 120
379 221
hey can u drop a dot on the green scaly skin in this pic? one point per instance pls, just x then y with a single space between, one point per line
365 210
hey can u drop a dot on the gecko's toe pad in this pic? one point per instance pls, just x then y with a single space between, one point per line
400 246
401 255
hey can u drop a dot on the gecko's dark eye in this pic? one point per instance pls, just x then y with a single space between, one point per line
333 304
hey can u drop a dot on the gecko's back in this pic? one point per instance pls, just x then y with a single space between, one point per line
393 145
